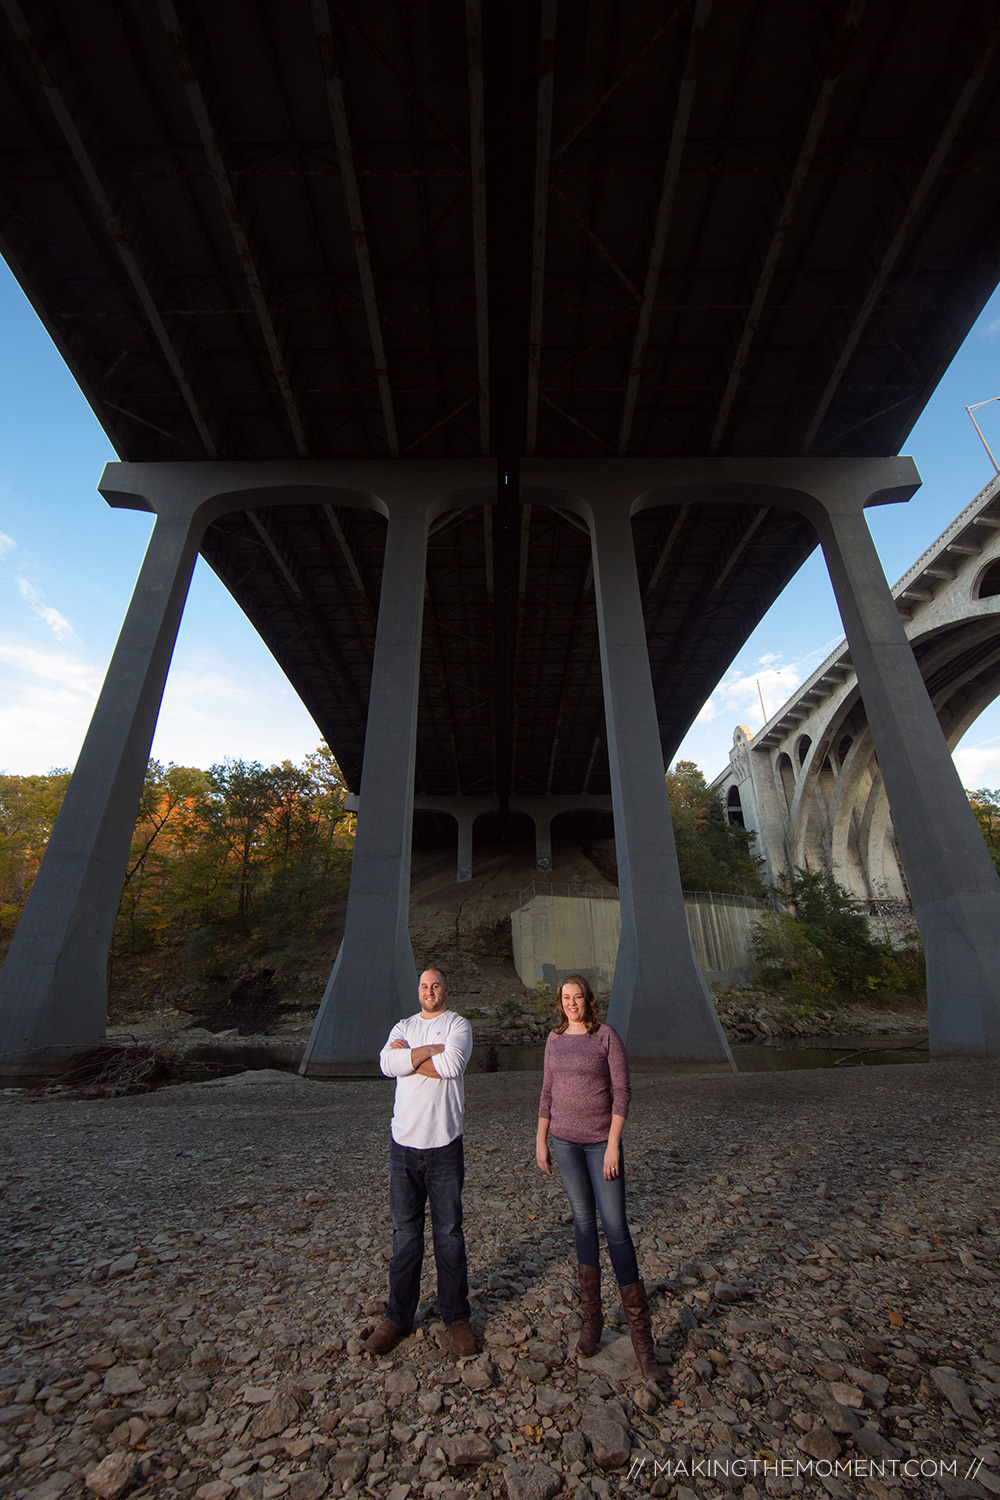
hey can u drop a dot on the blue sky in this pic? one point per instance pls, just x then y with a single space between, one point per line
68 563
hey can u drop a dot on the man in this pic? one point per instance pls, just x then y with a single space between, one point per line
427 1054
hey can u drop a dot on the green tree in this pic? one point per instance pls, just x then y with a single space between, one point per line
825 946
986 806
713 854
28 809
169 827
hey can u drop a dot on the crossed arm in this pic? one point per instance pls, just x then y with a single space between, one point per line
420 1057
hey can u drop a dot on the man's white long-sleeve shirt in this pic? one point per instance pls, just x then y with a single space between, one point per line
428 1112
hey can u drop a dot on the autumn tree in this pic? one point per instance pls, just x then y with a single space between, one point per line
986 806
713 854
28 808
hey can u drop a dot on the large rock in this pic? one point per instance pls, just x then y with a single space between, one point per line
309 1485
820 1443
346 1465
744 1382
466 1450
874 1444
955 1392
273 1418
615 1359
548 1399
52 1488
112 1475
608 1440
123 1380
531 1481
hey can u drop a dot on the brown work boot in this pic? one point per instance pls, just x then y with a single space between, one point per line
461 1340
637 1311
590 1308
385 1337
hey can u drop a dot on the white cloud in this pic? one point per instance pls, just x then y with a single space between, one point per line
6 543
211 709
737 700
978 765
47 696
57 623
992 329
770 677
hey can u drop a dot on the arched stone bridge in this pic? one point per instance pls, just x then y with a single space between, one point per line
808 783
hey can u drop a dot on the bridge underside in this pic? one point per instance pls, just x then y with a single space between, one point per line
532 244
706 575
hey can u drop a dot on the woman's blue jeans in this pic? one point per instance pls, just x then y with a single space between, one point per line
582 1171
416 1178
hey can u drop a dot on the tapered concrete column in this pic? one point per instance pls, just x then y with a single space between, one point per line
953 883
53 984
660 1003
543 843
374 978
466 824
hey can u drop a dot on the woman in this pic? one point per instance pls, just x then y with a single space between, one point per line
585 1098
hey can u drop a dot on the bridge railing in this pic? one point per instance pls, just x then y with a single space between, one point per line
610 893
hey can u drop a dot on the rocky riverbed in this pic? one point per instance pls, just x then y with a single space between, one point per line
186 1278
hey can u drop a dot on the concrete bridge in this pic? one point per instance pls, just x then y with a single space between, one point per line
504 362
809 782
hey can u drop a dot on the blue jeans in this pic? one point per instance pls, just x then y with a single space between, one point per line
415 1177
582 1171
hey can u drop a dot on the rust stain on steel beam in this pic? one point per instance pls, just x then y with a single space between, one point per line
575 422
567 676
668 191
590 761
477 158
821 110
623 77
601 249
230 208
701 607
271 546
665 550
322 635
352 196
441 422
906 225
338 531
347 15
112 224
144 422
539 228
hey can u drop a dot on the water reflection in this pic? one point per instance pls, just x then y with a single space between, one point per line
849 1051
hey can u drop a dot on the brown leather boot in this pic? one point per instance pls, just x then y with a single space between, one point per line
637 1311
590 1307
385 1337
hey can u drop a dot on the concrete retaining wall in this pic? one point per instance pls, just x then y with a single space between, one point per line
558 935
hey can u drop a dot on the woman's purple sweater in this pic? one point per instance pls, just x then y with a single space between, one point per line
585 1082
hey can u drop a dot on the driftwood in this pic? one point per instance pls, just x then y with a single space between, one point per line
121 1068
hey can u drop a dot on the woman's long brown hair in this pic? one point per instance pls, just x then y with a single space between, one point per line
591 1019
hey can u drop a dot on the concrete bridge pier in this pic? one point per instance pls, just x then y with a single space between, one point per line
660 1002
53 984
374 977
952 880
466 826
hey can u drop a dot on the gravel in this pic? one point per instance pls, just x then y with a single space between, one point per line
186 1278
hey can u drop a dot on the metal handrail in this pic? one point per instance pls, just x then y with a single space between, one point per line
610 893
